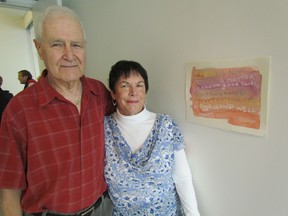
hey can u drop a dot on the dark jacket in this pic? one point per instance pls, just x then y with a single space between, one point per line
5 97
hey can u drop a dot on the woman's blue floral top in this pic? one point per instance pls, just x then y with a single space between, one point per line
141 183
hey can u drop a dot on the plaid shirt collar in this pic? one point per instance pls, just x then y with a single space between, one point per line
47 93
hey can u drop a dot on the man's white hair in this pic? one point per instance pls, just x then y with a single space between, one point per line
54 11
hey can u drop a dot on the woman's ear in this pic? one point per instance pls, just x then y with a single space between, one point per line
113 95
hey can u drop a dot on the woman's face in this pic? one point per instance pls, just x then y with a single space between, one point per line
130 94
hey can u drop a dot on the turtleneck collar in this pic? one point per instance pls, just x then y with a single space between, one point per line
133 119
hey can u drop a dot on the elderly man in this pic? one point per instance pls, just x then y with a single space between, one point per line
52 135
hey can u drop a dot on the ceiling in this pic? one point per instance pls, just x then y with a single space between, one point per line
18 4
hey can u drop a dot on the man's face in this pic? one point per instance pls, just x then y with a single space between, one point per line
62 49
22 79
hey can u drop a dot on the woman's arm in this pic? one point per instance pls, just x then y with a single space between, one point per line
183 180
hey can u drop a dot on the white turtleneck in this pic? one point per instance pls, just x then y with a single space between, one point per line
135 129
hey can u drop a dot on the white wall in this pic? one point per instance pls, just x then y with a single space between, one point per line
14 55
17 48
234 174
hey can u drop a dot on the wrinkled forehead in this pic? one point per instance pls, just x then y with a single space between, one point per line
62 24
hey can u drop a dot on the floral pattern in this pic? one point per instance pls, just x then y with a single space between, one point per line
141 183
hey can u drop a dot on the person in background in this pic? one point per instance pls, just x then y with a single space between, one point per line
146 167
25 77
5 97
52 134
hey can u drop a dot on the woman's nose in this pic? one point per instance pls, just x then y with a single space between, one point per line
133 91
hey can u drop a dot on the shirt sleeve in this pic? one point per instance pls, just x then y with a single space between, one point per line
183 180
12 156
108 105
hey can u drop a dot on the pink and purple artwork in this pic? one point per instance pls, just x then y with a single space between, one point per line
229 96
233 94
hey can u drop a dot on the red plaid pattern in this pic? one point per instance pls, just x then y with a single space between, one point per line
52 152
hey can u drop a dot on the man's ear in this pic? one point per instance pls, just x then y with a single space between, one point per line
38 47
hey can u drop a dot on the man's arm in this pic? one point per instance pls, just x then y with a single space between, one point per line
11 202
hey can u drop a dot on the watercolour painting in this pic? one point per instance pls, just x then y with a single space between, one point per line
229 94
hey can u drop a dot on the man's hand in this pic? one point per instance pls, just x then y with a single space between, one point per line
11 202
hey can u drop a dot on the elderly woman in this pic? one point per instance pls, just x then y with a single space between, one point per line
146 167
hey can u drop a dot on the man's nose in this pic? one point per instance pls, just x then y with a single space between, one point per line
68 53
